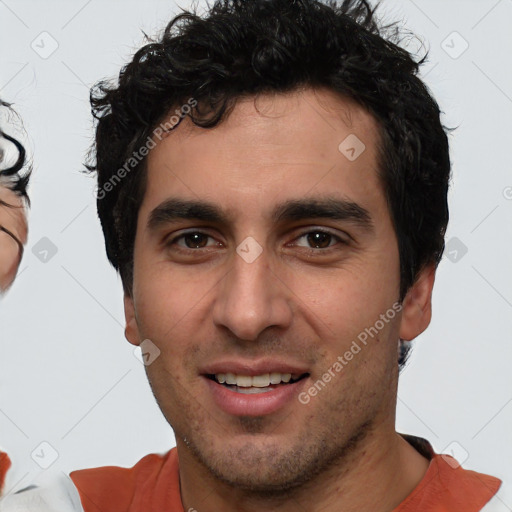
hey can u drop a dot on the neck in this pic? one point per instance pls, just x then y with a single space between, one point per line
378 474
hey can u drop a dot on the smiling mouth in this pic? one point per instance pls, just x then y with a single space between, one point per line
247 384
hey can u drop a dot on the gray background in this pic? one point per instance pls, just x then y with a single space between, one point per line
67 376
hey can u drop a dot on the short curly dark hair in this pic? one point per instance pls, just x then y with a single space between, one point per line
243 48
17 176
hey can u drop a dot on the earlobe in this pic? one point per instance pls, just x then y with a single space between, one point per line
131 331
417 305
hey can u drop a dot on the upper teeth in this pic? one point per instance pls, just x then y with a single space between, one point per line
257 381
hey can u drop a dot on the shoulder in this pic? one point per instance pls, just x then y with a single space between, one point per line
116 488
148 466
486 493
448 484
103 489
459 485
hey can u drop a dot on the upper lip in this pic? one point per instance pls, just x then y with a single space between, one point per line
253 368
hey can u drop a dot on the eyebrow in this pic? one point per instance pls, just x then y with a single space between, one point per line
174 209
329 208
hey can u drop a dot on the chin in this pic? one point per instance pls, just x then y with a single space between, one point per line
264 477
263 468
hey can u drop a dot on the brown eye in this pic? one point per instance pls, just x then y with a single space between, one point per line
319 239
195 240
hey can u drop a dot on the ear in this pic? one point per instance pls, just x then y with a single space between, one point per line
417 305
131 331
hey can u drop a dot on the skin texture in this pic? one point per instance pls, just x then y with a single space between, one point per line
15 220
296 302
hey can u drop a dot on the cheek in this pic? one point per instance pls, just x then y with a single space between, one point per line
353 296
164 296
165 315
171 310
9 260
354 317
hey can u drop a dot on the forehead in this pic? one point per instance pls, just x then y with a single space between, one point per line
271 148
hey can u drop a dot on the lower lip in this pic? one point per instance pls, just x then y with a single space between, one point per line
257 404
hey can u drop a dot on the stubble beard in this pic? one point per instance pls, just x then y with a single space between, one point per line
268 472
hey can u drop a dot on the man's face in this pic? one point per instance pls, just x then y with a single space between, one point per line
13 219
270 178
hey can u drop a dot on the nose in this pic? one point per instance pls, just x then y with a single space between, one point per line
251 298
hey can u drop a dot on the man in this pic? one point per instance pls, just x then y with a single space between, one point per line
13 202
15 172
13 224
272 187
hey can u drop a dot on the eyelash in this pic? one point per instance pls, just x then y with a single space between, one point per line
334 238
337 239
173 241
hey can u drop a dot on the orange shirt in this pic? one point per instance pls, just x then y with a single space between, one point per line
447 489
152 485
